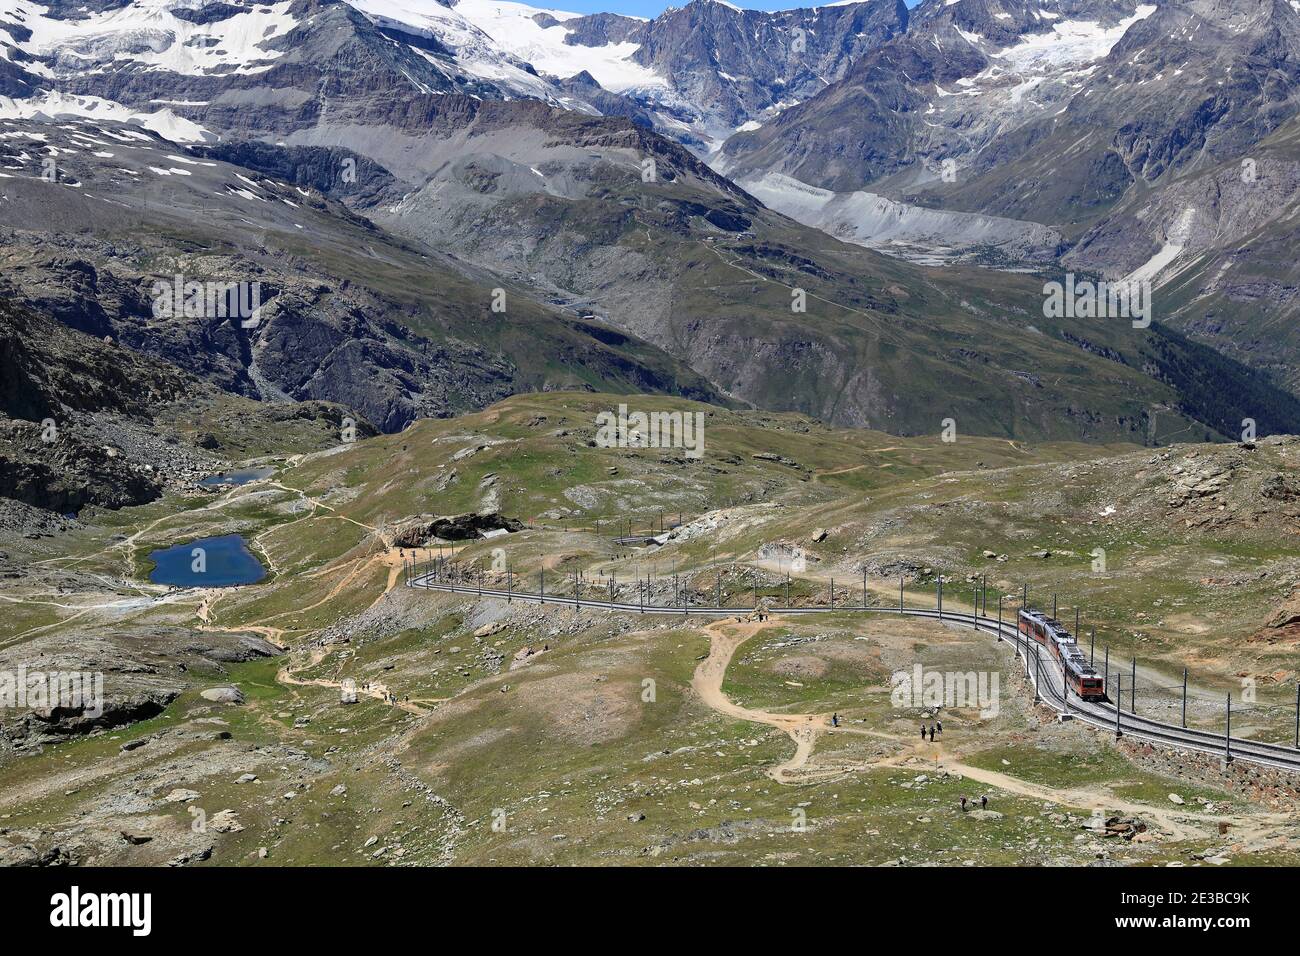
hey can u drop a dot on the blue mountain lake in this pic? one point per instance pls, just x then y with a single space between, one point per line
226 561
241 476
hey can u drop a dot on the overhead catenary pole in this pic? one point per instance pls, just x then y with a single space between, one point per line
1119 697
1133 689
1297 715
1027 641
1184 696
1092 647
1227 732
1038 673
999 618
832 594
1053 605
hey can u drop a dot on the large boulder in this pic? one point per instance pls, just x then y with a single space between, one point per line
223 695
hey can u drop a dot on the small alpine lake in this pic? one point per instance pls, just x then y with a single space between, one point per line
219 562
240 476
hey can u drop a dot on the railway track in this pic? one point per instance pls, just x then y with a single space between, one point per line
1044 674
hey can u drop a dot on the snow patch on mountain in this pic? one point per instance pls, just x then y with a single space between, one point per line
147 32
1177 239
476 53
516 28
1070 42
55 105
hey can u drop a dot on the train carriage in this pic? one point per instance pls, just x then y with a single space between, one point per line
1081 677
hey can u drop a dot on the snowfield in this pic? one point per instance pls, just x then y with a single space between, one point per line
148 33
513 27
1071 43
57 105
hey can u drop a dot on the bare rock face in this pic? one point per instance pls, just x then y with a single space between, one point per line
34 728
66 473
49 371
414 532
124 677
1285 621
732 65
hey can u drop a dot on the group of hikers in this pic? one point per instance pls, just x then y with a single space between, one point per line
984 803
937 726
388 696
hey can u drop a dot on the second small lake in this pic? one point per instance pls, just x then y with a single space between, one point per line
240 476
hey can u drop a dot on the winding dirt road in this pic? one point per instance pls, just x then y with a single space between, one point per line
728 635
804 729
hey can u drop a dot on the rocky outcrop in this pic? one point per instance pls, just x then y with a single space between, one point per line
37 727
414 532
734 65
65 474
49 371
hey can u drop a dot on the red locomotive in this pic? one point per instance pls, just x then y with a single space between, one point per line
1079 674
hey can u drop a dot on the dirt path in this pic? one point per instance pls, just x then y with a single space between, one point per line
1180 824
804 729
375 690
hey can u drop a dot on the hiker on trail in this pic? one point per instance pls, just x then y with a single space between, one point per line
984 802
835 720
931 735
963 804
923 731
939 724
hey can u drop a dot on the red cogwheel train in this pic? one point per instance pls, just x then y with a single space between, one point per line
1079 674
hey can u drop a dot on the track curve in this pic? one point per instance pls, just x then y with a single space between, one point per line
1042 670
